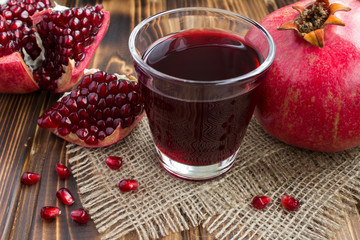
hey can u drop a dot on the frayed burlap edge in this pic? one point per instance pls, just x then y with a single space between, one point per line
326 184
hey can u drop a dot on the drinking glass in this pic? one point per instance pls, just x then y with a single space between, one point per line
197 124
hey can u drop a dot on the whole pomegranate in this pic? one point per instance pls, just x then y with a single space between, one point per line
45 47
311 95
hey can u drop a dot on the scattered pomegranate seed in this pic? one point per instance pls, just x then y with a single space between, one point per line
49 212
113 162
128 185
62 170
260 202
65 196
80 215
290 203
29 178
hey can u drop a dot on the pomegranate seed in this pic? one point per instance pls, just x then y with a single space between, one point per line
80 215
68 41
260 202
102 103
117 122
125 110
102 90
82 133
99 76
133 97
65 196
75 23
112 86
74 117
24 15
67 15
16 24
102 135
62 171
64 131
49 212
78 12
290 203
93 86
113 162
56 117
29 178
128 185
91 140
99 7
109 131
115 112
128 121
65 122
8 14
106 112
109 122
30 9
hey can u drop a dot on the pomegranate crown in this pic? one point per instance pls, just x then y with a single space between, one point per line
312 20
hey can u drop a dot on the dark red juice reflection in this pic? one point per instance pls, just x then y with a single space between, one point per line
191 131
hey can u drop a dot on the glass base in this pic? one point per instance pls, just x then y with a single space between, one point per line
195 173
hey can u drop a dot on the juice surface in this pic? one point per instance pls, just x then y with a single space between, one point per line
203 55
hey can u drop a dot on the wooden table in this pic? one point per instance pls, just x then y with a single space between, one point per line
25 147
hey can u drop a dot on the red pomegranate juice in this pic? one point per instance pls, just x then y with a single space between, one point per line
199 132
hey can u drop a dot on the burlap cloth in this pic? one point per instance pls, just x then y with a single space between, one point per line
326 184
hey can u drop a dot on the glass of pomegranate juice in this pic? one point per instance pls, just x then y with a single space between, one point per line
198 74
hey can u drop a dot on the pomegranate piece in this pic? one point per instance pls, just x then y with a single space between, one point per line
290 203
66 36
16 30
113 162
49 212
41 47
102 110
64 195
260 202
29 178
80 215
127 185
63 171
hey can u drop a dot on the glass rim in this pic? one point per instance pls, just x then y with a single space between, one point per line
248 76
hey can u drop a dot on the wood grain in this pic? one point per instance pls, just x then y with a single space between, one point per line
25 147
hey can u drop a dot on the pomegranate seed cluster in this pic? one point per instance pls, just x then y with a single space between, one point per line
100 104
16 29
66 35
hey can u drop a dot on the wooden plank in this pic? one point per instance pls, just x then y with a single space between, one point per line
17 123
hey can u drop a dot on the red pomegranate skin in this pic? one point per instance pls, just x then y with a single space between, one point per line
311 95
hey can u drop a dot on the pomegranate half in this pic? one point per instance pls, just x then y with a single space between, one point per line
45 47
102 110
311 95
